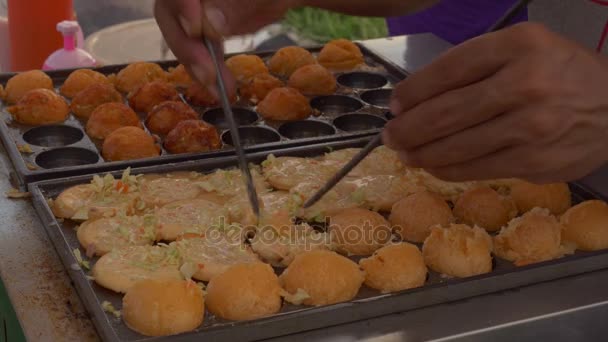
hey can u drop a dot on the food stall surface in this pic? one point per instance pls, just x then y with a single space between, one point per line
568 309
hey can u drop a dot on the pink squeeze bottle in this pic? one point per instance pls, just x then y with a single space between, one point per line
70 56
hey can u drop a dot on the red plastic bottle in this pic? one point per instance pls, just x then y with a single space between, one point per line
32 29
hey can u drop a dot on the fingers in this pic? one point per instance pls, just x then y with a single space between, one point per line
447 114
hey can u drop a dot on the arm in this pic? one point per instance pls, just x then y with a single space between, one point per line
380 8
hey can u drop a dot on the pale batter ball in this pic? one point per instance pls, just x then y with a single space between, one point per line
285 104
129 143
395 268
244 292
137 74
313 80
23 82
586 225
555 197
163 307
340 55
149 95
485 208
86 101
532 238
80 80
325 277
40 107
357 231
289 59
458 251
413 216
244 67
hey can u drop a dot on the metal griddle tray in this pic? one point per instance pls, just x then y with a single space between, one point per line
293 319
358 108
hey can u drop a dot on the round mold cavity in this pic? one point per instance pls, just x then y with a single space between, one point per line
379 97
359 122
306 129
251 135
362 80
336 104
242 116
53 136
66 157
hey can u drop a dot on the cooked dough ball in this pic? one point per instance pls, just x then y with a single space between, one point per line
244 292
325 276
193 136
395 268
164 117
109 117
99 237
80 80
146 97
340 55
212 254
313 80
244 67
532 238
289 59
157 191
23 82
586 225
122 268
285 104
180 77
359 231
129 143
188 216
555 197
199 95
458 251
485 208
163 307
257 88
40 107
86 101
413 216
137 74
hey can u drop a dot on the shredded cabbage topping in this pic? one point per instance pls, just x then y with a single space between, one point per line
83 263
188 269
109 308
16 194
296 298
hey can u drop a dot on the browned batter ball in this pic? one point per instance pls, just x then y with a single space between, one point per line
85 102
180 77
80 80
413 216
359 231
285 104
313 80
129 143
192 136
555 197
485 208
257 88
394 268
458 251
23 82
137 74
199 95
586 225
289 59
164 117
40 107
109 117
146 97
244 67
340 55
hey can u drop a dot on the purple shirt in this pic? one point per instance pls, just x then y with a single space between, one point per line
455 20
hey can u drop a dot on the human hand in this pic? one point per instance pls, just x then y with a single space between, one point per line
522 102
184 23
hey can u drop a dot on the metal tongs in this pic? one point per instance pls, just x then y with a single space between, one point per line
377 140
234 131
